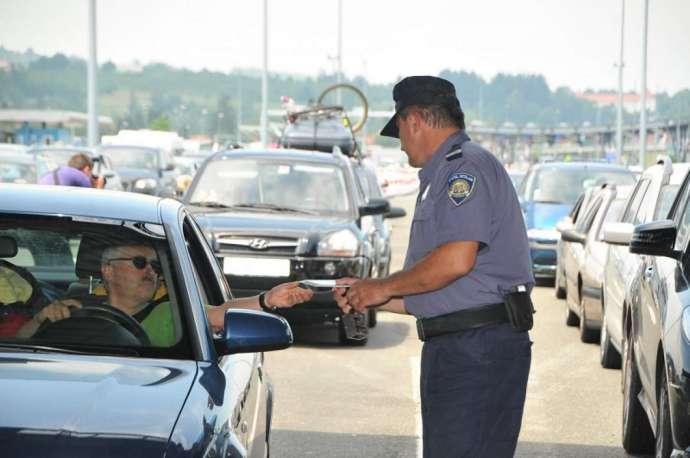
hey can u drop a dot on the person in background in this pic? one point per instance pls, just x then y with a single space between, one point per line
77 172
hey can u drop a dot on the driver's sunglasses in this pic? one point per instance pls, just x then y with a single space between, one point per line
140 262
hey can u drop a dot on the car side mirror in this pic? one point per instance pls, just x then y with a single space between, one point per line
570 235
655 239
251 331
395 212
618 233
375 206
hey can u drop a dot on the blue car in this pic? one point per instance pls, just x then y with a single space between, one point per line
102 382
548 193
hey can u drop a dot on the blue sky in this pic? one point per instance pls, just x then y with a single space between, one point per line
571 42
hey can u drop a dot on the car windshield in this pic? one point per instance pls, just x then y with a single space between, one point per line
116 283
264 183
17 172
132 158
563 185
60 156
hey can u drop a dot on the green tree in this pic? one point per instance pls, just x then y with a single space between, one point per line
162 122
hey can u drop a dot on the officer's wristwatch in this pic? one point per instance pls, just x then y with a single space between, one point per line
262 303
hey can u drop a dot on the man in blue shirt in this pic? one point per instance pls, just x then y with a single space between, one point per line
78 172
468 250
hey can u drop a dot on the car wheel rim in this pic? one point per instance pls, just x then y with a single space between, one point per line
604 337
627 384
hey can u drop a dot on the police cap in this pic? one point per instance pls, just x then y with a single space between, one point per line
423 91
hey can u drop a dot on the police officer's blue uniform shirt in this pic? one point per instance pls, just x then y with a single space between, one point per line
468 197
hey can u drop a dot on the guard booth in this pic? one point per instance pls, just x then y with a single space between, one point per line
44 127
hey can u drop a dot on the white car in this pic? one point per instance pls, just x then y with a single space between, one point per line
584 256
650 200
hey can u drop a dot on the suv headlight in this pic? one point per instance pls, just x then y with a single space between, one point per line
685 323
548 235
145 183
340 243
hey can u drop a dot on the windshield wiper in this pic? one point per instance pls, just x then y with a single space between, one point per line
549 202
83 350
274 207
210 204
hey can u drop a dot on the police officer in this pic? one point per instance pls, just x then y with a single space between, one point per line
467 267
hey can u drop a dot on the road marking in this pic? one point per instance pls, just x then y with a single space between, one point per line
415 363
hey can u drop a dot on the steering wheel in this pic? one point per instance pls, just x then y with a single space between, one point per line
95 324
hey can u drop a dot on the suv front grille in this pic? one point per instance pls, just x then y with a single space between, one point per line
258 244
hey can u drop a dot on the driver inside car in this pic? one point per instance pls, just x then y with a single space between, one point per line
132 280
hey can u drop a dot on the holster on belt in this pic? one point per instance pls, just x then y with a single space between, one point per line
461 320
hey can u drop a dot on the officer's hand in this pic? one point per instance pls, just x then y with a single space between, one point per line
287 295
367 293
339 293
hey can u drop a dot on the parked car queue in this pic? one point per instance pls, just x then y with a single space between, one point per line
624 272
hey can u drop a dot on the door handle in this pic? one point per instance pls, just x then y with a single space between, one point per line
648 272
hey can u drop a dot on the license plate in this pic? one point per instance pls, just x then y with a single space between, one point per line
256 267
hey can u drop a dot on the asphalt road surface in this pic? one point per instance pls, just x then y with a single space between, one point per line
335 401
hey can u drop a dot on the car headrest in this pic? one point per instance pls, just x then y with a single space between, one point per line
89 256
8 247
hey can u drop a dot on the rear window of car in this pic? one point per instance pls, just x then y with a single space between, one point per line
563 185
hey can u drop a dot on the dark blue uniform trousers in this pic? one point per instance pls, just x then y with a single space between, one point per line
473 386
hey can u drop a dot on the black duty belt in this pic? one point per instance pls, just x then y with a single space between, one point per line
461 320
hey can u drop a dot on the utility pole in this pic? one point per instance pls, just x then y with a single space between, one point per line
264 82
619 115
643 89
239 109
91 71
339 69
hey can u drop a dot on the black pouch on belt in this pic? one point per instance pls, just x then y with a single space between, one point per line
520 308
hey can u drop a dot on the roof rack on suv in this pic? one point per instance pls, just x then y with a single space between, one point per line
324 127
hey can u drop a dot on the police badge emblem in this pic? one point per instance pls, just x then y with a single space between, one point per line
460 187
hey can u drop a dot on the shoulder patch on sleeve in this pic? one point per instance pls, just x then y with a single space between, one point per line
460 187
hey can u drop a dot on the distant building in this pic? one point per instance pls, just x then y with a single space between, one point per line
631 100
5 66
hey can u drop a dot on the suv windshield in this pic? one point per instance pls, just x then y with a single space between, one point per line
133 158
264 183
563 185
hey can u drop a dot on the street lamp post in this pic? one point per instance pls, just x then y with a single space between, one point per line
643 89
92 88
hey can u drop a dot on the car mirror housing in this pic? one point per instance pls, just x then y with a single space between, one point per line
656 239
250 331
570 235
618 233
395 212
375 207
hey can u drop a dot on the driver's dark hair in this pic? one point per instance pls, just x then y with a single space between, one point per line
79 161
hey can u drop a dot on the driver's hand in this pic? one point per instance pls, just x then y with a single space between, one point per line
56 311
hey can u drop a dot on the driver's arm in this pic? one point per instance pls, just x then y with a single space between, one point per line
56 311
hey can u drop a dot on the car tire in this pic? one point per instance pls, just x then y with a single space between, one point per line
608 355
372 317
664 441
637 434
559 289
344 340
571 318
587 334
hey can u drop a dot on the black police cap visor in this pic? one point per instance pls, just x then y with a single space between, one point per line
422 91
